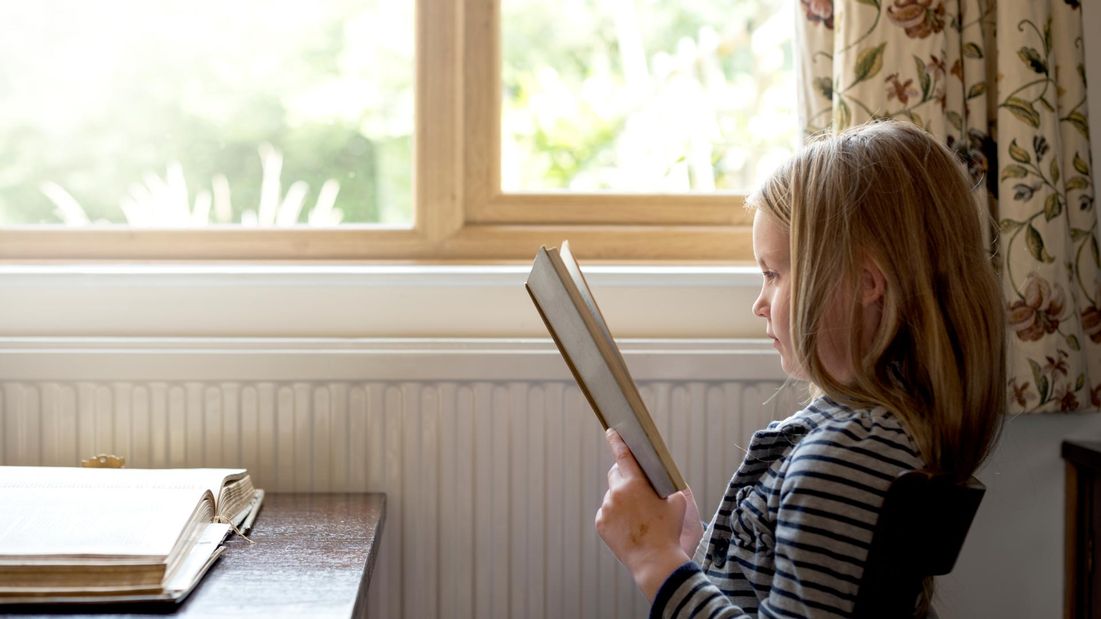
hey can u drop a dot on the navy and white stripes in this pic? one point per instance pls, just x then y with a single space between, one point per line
791 535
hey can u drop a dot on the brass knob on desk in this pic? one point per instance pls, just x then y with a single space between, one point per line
104 461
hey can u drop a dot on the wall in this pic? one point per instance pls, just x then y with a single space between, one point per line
1011 565
360 300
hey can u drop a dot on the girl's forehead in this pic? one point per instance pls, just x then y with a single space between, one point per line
762 218
770 238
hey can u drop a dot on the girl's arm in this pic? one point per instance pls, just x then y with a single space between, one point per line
827 499
642 529
829 496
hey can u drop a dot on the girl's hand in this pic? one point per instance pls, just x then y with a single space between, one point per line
642 529
692 531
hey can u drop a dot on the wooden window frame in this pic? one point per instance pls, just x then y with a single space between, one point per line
461 214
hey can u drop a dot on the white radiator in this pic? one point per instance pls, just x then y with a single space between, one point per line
492 463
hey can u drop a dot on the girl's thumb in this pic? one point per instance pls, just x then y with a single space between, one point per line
678 500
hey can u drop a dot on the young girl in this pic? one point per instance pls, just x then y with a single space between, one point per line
879 292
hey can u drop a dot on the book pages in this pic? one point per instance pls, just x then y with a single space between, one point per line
198 559
37 523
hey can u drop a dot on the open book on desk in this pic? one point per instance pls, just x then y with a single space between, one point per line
568 308
107 535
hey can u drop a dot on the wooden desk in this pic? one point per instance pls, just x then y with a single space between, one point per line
1082 572
313 557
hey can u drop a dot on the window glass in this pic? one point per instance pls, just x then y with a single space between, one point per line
645 95
171 113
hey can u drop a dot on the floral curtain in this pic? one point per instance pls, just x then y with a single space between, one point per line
1004 85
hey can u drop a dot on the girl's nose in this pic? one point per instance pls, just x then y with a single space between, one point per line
760 307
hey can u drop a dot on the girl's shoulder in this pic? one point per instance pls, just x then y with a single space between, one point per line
829 429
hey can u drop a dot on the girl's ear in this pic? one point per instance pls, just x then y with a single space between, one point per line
872 283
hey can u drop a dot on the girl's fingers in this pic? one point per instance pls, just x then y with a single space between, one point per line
615 441
625 460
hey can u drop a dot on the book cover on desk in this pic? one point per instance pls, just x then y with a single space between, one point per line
568 308
110 535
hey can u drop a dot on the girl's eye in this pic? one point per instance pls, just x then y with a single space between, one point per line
769 275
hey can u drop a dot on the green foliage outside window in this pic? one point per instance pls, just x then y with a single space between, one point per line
187 113
645 95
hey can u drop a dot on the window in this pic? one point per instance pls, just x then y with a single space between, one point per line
282 130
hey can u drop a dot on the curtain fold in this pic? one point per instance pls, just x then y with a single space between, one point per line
1003 85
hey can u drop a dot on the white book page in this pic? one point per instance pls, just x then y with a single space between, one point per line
198 559
139 479
85 522
131 512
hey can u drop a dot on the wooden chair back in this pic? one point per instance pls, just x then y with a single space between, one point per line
921 529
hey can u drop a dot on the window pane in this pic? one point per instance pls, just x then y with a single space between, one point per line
645 95
193 112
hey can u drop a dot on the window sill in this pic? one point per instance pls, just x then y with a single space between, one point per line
140 300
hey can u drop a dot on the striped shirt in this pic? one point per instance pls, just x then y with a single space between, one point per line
792 533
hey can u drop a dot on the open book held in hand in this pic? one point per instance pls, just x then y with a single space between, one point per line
110 535
568 308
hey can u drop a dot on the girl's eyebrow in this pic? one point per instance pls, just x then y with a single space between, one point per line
764 260
775 259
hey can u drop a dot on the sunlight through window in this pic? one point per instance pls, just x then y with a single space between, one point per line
194 113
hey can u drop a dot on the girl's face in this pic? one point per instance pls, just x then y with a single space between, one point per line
770 247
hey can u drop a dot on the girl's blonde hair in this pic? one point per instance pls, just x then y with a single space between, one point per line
889 193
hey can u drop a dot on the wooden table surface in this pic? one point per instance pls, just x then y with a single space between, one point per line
313 557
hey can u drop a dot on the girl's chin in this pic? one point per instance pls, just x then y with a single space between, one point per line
789 368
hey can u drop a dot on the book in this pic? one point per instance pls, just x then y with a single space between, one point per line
115 534
560 293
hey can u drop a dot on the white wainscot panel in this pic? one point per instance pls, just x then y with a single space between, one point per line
491 460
